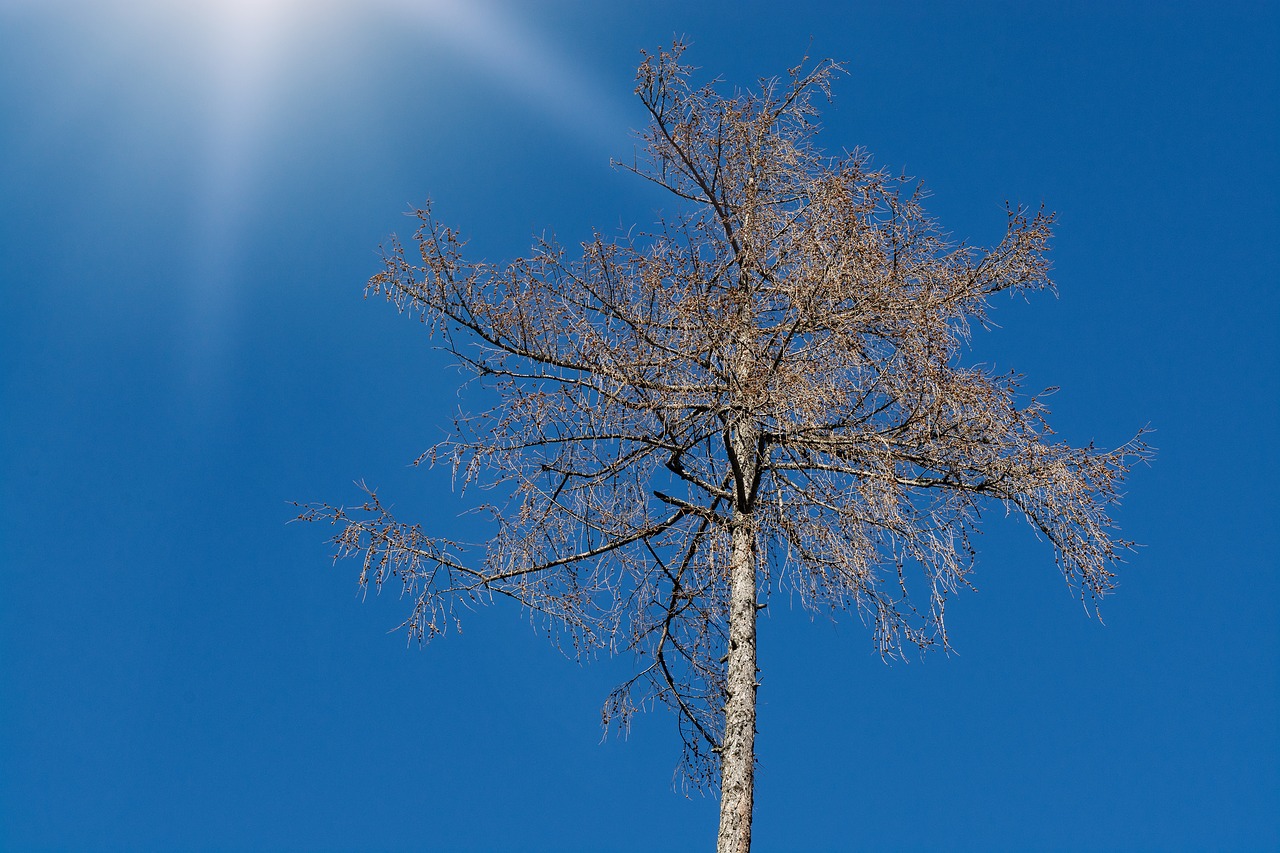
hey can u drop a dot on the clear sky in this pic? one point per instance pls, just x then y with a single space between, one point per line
191 198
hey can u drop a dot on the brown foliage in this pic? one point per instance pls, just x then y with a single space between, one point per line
803 304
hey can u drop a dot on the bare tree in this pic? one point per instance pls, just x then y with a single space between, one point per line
763 392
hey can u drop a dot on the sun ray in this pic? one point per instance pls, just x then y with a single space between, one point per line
517 57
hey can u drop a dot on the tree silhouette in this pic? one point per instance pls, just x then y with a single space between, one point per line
764 391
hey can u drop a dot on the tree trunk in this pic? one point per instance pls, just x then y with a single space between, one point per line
737 755
738 747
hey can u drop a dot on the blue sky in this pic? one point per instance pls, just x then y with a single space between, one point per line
191 198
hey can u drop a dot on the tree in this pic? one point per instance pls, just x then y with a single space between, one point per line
764 391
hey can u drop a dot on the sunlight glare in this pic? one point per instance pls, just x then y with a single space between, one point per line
514 54
247 44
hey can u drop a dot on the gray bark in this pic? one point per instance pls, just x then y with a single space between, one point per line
737 755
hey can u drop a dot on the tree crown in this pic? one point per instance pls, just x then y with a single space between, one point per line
782 354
